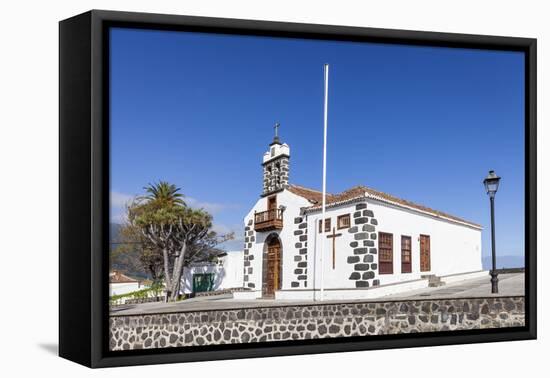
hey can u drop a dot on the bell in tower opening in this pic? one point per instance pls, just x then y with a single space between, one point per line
276 165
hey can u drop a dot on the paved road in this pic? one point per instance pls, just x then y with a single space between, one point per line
511 284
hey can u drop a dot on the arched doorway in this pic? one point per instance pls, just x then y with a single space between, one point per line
272 267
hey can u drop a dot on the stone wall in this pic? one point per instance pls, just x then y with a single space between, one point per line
249 238
312 321
276 173
365 253
300 254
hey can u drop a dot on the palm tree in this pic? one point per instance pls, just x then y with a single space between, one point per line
164 193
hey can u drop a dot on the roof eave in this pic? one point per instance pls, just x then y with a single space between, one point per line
366 195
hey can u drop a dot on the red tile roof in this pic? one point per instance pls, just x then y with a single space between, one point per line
117 277
315 197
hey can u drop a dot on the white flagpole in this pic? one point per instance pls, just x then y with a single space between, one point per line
324 184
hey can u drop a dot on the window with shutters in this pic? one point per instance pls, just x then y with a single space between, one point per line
278 177
343 221
406 254
425 265
385 250
327 225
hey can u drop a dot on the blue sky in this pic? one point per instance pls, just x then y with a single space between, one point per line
422 123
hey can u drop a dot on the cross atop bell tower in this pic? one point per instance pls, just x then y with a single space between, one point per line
276 137
276 165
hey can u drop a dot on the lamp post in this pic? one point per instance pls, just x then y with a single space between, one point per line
491 186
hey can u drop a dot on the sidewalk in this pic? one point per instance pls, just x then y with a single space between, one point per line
511 284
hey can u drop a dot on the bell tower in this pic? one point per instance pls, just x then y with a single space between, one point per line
276 165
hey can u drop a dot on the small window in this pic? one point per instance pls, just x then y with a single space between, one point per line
327 225
406 255
343 221
385 250
272 151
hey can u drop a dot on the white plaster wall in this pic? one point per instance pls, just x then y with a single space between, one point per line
124 288
293 204
228 273
278 149
454 248
333 278
233 265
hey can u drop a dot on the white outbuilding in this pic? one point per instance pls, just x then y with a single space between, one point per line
224 273
376 244
120 284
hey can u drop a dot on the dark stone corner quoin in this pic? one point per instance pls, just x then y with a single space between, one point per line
363 229
300 253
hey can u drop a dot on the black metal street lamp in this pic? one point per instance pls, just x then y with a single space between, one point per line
491 186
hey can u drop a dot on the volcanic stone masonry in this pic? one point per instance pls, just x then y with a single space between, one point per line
276 173
312 322
249 238
300 256
365 254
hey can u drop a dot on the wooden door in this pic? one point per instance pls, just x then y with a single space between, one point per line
425 265
203 282
385 249
406 254
273 271
272 208
272 203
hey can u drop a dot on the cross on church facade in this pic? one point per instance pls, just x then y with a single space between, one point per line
276 127
333 236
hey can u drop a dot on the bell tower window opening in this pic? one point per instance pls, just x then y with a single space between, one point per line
275 166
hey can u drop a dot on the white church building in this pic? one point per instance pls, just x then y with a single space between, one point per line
376 244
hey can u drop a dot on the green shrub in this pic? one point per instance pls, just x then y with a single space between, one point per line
138 294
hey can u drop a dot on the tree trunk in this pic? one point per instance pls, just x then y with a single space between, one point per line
167 275
177 272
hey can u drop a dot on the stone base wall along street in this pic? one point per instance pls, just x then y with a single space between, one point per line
312 321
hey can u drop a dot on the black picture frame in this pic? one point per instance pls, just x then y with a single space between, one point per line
84 187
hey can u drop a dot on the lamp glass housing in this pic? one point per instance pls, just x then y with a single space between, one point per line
491 183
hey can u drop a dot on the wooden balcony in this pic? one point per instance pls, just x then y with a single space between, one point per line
268 220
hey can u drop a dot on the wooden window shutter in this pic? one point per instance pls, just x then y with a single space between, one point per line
385 249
